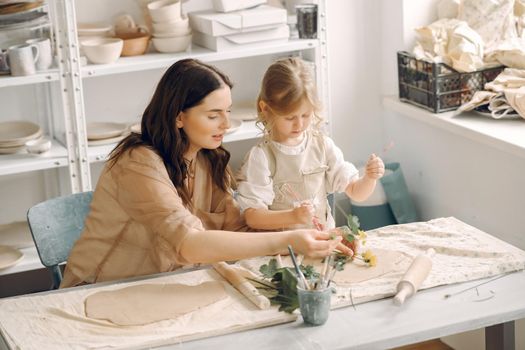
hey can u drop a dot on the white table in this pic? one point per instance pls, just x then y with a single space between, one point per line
380 324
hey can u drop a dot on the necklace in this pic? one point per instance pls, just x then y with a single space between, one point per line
190 166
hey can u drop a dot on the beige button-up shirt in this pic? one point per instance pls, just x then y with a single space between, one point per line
137 221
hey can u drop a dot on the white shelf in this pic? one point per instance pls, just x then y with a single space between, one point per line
504 134
163 60
247 131
30 261
23 162
44 77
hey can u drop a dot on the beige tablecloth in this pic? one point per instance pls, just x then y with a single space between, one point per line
56 320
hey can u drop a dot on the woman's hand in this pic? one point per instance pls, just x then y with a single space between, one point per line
317 244
375 168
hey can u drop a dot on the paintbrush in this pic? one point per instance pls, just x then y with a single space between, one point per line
298 269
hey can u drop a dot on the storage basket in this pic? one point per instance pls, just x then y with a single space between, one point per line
437 86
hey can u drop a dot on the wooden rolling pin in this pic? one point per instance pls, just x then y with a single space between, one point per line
242 284
415 275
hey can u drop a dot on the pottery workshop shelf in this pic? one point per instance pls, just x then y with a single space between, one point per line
42 77
164 60
24 162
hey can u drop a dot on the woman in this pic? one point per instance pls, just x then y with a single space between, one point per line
164 200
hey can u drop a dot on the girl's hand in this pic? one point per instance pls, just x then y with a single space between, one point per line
316 244
304 213
375 168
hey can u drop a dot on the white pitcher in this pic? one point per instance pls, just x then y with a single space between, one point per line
45 54
22 59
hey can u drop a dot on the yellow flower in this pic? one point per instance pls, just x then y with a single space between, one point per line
361 235
367 255
369 258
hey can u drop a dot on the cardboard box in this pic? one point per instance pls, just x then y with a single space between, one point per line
220 43
235 5
218 24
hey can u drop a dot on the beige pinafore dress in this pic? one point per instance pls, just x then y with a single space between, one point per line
304 174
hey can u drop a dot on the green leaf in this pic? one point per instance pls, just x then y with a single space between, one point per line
353 223
347 233
309 272
340 261
286 283
269 270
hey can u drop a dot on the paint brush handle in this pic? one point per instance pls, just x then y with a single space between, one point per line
298 269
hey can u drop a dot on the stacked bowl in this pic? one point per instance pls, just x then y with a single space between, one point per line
96 44
171 31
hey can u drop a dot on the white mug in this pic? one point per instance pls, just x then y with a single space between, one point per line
45 54
22 59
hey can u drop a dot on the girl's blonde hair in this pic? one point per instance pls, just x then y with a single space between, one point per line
287 83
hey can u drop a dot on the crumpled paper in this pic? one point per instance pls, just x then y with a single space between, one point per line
510 53
492 19
450 41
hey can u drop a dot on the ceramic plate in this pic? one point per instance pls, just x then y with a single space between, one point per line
235 125
11 150
104 130
19 7
16 235
17 133
9 256
105 141
243 113
24 20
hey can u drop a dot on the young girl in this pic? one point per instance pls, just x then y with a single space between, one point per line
285 179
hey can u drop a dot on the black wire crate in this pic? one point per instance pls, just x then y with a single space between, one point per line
437 86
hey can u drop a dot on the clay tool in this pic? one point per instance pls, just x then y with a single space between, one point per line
415 275
476 286
298 269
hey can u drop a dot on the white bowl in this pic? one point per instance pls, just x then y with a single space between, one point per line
172 44
182 25
39 145
172 35
102 50
165 10
93 29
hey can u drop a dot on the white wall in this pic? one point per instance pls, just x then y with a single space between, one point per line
448 175
355 77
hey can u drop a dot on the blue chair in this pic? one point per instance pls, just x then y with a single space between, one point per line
55 226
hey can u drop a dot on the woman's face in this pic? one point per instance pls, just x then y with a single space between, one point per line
206 123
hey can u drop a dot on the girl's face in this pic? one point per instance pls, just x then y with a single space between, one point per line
206 123
289 129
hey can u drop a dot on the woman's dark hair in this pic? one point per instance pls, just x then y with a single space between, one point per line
184 85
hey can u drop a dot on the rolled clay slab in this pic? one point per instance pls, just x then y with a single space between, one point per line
355 272
148 303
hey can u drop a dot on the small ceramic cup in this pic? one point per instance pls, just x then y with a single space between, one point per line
38 146
307 21
314 305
